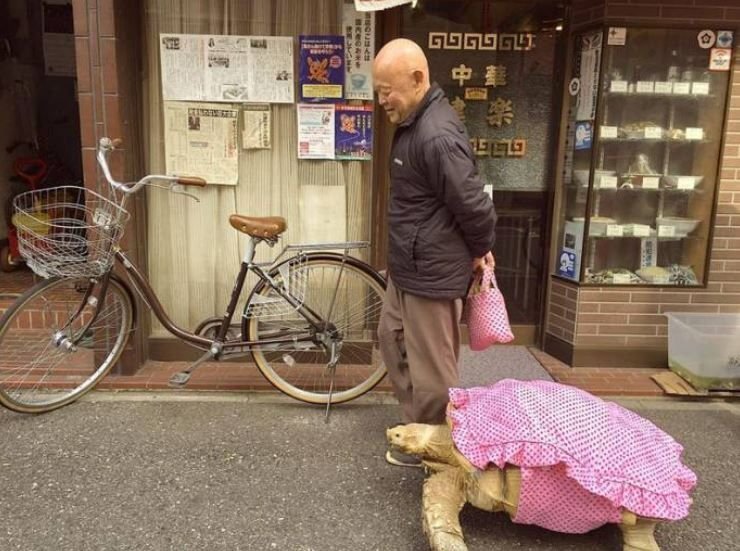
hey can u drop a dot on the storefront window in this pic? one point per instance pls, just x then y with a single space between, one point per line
496 61
230 109
643 154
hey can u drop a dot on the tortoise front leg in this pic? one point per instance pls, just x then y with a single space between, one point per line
638 533
442 499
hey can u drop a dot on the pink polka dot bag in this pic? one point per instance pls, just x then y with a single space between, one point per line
487 319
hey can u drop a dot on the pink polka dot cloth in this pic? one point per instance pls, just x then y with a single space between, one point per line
582 459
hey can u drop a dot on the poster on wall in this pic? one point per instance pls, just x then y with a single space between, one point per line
589 75
569 262
58 38
321 68
257 127
354 132
226 68
201 140
315 131
359 42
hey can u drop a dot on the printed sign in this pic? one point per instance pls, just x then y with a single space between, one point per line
321 75
725 39
706 39
354 132
316 131
575 86
719 59
567 264
609 132
359 42
584 135
617 36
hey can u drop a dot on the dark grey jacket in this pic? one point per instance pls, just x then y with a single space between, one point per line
439 216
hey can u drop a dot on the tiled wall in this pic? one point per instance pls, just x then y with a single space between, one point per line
619 318
108 47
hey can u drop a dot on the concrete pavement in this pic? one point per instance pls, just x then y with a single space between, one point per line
252 472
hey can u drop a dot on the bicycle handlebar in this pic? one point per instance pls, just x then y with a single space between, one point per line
107 145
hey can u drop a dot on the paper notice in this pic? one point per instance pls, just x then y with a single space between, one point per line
359 52
257 127
227 68
201 140
315 131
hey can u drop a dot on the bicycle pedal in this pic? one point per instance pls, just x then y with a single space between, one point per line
180 379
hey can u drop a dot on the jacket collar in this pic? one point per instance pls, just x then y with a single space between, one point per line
434 93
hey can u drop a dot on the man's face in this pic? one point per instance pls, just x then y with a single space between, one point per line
397 93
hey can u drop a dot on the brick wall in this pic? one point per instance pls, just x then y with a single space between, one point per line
614 319
108 47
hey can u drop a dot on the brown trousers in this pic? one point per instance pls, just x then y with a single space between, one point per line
420 345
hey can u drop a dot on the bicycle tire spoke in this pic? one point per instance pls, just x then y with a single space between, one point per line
300 370
37 371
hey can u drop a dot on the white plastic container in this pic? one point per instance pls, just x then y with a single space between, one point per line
705 349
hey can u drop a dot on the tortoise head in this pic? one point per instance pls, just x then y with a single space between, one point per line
432 442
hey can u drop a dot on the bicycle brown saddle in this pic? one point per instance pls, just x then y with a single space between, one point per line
268 226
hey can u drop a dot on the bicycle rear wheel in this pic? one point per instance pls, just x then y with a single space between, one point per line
347 294
56 344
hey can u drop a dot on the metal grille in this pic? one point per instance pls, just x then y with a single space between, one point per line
293 277
68 231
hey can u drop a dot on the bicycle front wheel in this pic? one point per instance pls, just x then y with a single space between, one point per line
347 295
59 339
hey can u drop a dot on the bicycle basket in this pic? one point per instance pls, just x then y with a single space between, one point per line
67 231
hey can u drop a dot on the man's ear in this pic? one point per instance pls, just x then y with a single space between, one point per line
418 76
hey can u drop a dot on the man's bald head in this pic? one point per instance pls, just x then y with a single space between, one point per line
401 78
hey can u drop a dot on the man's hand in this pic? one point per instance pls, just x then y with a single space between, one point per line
483 261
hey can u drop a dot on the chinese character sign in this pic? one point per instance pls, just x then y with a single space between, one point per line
500 84
321 68
359 39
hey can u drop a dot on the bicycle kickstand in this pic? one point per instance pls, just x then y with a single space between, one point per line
181 378
333 368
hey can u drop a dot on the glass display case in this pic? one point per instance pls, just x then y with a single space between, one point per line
645 122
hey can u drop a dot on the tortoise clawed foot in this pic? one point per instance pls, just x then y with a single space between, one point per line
442 541
639 536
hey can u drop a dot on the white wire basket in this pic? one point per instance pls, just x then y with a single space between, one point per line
68 231
293 276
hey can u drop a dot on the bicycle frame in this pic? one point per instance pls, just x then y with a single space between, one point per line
141 285
218 346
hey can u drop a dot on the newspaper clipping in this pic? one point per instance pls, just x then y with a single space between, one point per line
201 140
257 122
227 68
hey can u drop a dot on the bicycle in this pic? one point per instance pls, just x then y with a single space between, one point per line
309 323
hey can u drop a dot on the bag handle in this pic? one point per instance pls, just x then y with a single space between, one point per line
488 279
484 279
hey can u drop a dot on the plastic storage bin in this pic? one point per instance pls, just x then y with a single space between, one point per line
705 349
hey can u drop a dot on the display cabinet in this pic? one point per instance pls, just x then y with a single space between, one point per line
647 108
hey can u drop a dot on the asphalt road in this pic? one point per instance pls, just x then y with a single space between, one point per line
144 472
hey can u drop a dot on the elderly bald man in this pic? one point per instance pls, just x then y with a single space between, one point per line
441 229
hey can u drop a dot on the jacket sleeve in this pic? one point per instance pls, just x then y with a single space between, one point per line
452 173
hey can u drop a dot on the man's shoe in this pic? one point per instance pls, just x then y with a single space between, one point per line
400 459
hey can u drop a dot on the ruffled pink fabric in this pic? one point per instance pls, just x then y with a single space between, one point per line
582 459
